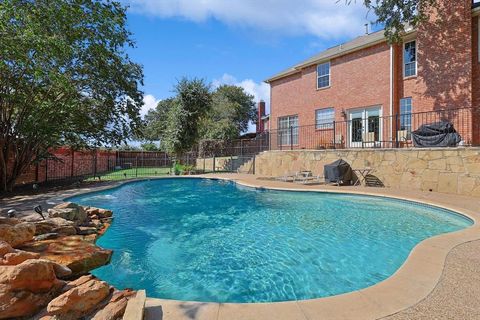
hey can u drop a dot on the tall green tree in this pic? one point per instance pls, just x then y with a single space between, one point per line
65 78
179 131
396 14
232 110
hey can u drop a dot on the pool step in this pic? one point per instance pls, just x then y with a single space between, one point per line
156 309
136 307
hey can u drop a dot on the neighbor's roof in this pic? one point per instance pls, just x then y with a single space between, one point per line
355 44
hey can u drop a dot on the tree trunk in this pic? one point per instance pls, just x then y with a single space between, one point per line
3 167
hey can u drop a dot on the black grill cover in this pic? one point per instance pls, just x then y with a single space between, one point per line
338 171
438 134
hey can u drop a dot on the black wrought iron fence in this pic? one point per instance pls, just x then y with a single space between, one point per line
364 131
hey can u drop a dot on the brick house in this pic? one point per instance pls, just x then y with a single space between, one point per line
367 92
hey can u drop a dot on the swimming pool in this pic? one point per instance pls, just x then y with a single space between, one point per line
213 240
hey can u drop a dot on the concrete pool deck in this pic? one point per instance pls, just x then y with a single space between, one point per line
439 280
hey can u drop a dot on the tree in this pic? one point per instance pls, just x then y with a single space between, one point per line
232 109
175 121
396 14
149 146
65 78
156 120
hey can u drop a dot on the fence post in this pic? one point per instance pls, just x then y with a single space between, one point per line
334 134
46 170
253 165
73 161
213 163
291 137
204 164
231 163
136 167
397 143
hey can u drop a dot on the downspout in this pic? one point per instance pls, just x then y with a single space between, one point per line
391 93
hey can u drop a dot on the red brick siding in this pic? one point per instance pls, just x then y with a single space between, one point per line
362 79
476 80
357 80
83 164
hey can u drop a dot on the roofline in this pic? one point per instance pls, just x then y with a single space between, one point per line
298 67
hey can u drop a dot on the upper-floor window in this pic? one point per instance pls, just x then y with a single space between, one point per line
324 118
323 75
410 59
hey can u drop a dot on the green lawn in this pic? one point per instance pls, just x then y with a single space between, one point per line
132 173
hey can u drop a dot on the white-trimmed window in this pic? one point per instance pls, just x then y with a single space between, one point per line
323 75
410 59
406 116
288 130
324 118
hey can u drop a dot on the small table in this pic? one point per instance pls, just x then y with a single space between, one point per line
362 175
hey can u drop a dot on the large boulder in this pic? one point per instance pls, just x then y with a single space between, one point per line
79 301
17 234
27 288
75 252
114 309
69 211
9 221
57 225
10 256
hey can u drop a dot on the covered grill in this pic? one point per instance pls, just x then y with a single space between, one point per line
438 134
338 172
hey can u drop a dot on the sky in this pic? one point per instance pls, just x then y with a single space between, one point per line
241 42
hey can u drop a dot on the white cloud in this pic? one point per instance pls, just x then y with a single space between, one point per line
149 102
327 19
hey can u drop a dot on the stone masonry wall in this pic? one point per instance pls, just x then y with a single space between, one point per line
452 170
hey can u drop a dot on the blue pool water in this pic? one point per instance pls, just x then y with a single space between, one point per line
209 240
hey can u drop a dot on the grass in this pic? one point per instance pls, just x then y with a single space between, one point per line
132 173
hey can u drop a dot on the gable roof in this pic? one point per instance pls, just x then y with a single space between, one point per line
344 48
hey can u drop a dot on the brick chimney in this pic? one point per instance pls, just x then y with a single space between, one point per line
261 114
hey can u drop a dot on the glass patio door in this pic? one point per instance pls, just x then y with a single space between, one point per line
365 128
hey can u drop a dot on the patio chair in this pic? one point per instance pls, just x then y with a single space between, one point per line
287 176
304 178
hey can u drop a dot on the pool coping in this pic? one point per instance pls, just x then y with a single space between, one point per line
411 283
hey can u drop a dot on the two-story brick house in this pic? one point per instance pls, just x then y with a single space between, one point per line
367 90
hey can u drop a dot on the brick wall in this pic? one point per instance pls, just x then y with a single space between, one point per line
476 78
69 164
359 79
446 76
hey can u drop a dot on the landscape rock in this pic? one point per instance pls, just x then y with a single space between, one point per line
17 234
69 211
79 301
17 257
112 311
27 288
74 252
55 225
46 236
86 230
10 256
9 221
5 248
